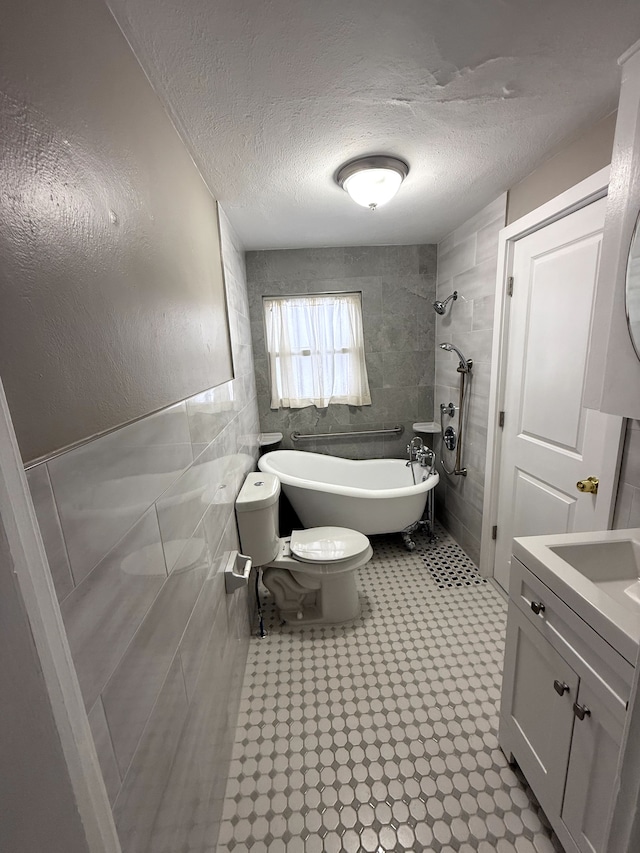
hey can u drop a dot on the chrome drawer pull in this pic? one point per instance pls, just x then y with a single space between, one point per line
581 711
560 687
537 607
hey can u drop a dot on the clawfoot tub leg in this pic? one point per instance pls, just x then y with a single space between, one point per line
409 544
425 523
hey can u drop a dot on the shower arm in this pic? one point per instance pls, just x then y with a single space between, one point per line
441 307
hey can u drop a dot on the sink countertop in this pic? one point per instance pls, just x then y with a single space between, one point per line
617 624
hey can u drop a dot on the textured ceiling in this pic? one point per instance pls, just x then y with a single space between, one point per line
273 96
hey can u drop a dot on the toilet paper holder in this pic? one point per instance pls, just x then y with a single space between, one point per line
236 571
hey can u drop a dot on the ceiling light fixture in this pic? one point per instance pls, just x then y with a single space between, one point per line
372 181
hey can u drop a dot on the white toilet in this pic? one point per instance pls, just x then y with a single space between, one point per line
311 574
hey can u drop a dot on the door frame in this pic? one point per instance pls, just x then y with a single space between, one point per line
587 191
33 578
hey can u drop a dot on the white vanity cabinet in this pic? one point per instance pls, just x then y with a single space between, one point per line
564 698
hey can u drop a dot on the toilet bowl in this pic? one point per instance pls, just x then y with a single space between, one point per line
310 574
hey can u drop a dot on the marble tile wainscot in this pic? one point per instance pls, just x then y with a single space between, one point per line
398 287
467 262
136 525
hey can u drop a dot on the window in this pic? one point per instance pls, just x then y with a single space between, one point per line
316 350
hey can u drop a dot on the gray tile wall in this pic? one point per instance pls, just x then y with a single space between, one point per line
137 526
398 286
627 511
467 262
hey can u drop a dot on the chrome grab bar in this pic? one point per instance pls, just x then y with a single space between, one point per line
296 436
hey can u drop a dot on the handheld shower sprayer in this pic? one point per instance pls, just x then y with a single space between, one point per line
453 440
441 307
465 363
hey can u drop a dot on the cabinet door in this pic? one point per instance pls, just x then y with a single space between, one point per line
593 762
539 718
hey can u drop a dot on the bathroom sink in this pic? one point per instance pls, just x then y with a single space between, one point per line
613 566
597 574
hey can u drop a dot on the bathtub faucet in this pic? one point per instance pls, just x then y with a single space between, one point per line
424 456
415 446
427 459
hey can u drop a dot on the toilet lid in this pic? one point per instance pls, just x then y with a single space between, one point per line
327 544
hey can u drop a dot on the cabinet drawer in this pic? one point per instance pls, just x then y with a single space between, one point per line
577 642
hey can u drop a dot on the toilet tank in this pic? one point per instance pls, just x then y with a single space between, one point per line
257 514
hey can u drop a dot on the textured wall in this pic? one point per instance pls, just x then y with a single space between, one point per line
467 262
111 281
398 287
137 526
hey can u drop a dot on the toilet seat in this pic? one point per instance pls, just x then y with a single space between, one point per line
327 544
286 559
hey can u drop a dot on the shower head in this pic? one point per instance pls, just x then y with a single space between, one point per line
465 363
441 307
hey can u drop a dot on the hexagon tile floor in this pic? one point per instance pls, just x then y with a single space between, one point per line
381 735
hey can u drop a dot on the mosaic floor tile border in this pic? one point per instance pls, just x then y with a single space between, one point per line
381 735
449 566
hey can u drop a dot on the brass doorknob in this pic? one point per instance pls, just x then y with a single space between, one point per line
588 485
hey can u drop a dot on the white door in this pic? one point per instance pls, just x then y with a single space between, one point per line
550 440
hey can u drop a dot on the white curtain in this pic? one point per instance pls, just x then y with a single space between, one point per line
316 350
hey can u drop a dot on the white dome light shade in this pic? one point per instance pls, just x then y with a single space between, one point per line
372 181
373 187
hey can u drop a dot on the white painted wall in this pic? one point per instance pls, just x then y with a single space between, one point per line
111 283
583 157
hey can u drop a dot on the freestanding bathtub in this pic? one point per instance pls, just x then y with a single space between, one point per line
372 495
